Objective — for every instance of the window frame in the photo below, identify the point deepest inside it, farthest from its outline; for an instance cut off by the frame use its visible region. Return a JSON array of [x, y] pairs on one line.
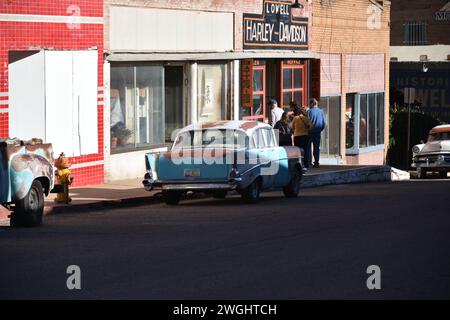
[[133, 66], [293, 89], [415, 33], [261, 117], [357, 105]]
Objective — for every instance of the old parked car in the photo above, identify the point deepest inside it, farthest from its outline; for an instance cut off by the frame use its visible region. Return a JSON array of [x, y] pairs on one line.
[[26, 176], [434, 155], [218, 157]]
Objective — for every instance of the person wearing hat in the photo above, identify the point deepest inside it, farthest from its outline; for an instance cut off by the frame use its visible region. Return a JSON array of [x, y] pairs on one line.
[[301, 126]]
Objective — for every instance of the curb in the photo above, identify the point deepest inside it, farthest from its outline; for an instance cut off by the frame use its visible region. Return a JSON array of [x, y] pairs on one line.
[[101, 205], [357, 175]]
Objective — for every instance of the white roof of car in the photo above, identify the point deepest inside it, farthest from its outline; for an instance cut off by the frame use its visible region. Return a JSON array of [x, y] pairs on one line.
[[246, 126], [441, 128]]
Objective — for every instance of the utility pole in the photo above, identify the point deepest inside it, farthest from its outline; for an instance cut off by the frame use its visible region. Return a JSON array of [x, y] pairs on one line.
[[409, 96], [408, 138]]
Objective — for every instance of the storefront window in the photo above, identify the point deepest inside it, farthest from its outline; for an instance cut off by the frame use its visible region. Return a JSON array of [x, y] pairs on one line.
[[211, 92], [372, 120], [137, 114], [292, 83], [330, 139], [380, 118], [363, 121], [350, 121], [370, 117], [149, 106]]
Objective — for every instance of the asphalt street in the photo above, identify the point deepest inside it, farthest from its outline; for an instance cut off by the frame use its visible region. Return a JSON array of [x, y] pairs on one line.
[[315, 247]]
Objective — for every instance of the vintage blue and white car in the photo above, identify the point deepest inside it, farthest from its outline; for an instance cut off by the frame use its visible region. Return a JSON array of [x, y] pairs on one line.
[[217, 157]]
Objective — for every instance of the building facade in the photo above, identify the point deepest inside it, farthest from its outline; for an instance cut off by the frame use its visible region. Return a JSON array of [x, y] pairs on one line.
[[352, 38], [51, 78], [189, 61], [158, 66], [420, 54]]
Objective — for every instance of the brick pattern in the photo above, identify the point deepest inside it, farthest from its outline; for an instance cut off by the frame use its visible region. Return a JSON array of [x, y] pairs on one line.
[[330, 74], [54, 36], [341, 27], [368, 158], [4, 126], [88, 8], [365, 73], [87, 175], [419, 11]]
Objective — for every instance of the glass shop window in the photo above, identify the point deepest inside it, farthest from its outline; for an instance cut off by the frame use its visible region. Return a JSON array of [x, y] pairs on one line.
[[136, 102], [212, 92], [292, 84], [365, 121]]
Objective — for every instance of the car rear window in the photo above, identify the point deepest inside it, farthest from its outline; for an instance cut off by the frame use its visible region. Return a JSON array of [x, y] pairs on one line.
[[211, 138]]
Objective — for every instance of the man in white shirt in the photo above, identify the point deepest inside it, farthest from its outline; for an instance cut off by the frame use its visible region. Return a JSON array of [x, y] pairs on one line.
[[276, 111]]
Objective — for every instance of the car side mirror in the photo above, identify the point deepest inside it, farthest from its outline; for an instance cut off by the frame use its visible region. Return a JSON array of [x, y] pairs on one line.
[[421, 141]]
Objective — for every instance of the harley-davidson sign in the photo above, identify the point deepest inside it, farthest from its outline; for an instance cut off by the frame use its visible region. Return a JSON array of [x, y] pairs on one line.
[[276, 28]]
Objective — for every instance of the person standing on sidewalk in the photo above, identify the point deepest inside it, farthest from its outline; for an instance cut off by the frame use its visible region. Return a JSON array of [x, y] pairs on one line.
[[301, 126], [284, 131], [276, 112], [315, 114]]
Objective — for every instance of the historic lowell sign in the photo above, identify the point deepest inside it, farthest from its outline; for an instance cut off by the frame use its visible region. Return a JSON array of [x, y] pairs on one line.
[[276, 28]]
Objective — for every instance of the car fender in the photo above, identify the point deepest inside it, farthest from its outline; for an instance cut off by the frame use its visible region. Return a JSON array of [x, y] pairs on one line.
[[24, 169]]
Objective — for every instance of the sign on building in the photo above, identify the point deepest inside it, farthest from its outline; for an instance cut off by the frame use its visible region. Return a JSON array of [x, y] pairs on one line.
[[443, 14], [247, 83], [276, 28]]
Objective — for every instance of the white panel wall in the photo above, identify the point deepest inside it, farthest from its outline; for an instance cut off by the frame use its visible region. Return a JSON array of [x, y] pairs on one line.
[[85, 101], [59, 102], [150, 29], [53, 96], [26, 97]]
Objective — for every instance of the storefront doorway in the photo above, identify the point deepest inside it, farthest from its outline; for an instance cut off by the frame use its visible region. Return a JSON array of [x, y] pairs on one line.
[[284, 80], [173, 100]]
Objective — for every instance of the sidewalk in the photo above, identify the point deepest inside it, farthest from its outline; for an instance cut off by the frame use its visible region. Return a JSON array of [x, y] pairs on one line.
[[131, 192]]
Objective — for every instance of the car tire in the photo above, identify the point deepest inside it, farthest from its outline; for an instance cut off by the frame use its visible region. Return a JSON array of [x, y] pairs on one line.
[[251, 193], [172, 197], [443, 174], [421, 173], [292, 189], [28, 212], [221, 194]]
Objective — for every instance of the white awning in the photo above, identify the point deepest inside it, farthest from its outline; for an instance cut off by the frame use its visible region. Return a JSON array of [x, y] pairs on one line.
[[189, 56]]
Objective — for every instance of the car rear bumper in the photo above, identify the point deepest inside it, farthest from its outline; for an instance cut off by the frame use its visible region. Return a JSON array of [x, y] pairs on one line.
[[231, 184]]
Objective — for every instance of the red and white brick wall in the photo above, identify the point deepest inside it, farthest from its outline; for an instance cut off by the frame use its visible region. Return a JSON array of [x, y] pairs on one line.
[[43, 24], [330, 74]]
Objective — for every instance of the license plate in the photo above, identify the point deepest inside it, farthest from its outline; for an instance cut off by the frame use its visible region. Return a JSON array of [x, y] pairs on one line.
[[192, 172]]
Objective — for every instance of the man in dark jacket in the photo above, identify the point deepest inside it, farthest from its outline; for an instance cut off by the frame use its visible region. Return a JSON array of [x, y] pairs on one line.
[[315, 114]]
